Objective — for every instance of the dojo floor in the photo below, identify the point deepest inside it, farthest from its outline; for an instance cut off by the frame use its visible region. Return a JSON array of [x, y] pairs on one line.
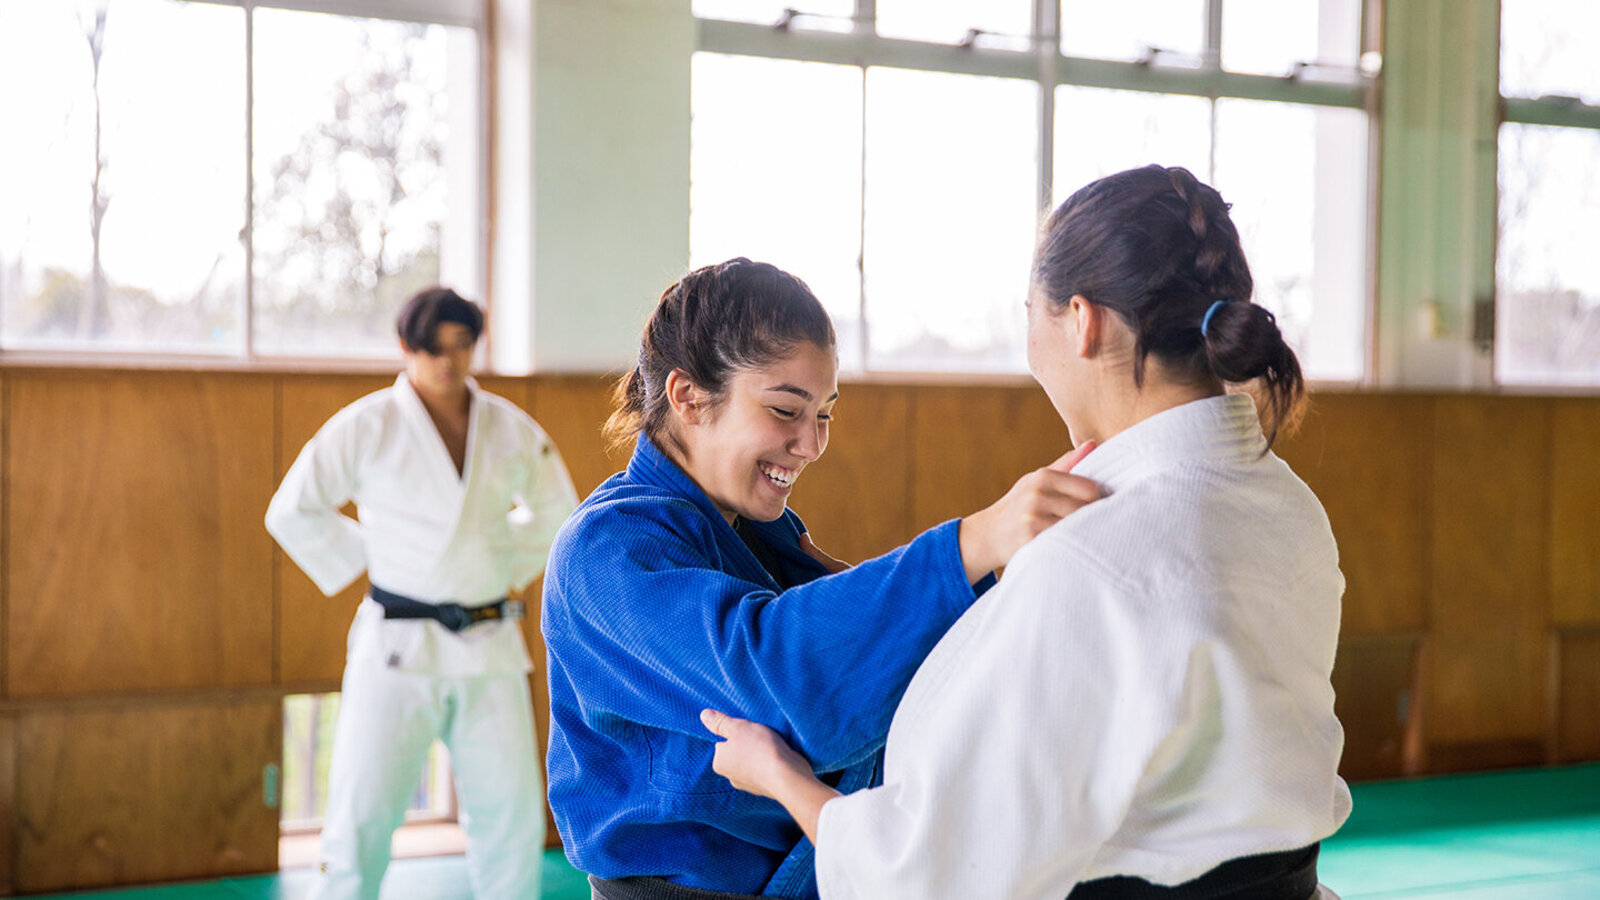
[[1497, 836]]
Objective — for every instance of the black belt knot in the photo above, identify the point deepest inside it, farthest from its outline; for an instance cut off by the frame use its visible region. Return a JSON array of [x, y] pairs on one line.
[[453, 616]]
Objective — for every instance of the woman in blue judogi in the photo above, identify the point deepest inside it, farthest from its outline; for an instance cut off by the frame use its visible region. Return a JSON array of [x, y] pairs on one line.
[[685, 582]]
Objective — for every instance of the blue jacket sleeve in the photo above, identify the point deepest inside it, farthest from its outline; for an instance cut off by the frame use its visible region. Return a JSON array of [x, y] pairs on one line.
[[651, 629]]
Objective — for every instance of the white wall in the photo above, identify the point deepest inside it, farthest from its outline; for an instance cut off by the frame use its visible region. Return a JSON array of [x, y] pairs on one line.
[[592, 186]]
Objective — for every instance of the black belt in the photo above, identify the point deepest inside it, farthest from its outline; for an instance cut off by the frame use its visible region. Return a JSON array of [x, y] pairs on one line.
[[1290, 875], [453, 616], [647, 888]]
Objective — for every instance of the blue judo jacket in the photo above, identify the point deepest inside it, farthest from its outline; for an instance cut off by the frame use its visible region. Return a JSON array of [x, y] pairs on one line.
[[654, 609]]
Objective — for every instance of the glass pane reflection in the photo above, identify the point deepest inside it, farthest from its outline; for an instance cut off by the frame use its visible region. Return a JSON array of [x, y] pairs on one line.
[[1296, 176], [950, 219], [120, 227], [775, 175], [1547, 306]]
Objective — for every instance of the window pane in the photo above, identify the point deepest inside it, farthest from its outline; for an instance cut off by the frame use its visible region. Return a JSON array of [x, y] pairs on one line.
[[1099, 132], [1270, 36], [775, 175], [1548, 273], [769, 11], [1296, 176], [951, 216], [1549, 47], [308, 726], [1100, 30], [150, 259], [363, 129], [948, 21]]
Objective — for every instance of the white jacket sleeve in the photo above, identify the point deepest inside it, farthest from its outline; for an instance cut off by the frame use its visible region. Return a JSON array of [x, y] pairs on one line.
[[1015, 753], [543, 501], [304, 514]]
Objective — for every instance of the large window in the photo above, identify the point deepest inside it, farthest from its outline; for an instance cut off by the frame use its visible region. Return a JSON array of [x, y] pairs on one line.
[[898, 154], [209, 178], [1548, 271], [308, 725]]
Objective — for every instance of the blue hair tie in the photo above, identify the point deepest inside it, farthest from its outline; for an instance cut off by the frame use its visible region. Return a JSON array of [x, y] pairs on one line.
[[1205, 321]]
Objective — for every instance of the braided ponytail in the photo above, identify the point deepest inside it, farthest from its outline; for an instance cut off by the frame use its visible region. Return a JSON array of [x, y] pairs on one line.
[[1156, 246], [1244, 346]]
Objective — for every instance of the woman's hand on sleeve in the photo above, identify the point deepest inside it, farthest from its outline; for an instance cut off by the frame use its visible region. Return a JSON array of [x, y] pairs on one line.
[[1038, 500], [753, 758]]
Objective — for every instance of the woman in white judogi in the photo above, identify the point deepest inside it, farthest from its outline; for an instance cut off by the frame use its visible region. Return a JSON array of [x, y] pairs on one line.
[[459, 494], [1142, 707]]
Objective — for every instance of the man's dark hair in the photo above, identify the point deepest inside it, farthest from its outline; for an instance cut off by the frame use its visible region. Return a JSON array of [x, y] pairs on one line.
[[418, 323]]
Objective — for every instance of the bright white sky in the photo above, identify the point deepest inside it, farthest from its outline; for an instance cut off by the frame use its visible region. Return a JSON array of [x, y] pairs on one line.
[[153, 235], [950, 171], [171, 119]]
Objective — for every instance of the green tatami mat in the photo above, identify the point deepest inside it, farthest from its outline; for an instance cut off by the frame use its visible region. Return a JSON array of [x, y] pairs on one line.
[[1493, 836]]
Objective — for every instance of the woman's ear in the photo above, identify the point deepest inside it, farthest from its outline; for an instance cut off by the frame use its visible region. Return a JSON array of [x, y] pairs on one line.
[[1086, 327], [686, 399]]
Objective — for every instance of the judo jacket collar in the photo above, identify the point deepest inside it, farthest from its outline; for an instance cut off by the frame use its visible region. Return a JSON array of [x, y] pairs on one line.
[[651, 465], [1221, 429]]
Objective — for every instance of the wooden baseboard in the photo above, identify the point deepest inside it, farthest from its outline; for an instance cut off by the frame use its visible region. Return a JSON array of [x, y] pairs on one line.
[[1479, 756]]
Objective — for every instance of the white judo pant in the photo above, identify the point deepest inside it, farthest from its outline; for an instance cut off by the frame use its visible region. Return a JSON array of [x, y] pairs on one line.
[[387, 721]]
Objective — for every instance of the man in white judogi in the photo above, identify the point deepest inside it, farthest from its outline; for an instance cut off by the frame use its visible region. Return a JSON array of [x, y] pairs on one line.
[[459, 494]]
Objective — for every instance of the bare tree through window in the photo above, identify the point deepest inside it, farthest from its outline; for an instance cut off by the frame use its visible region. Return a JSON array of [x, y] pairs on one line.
[[348, 222]]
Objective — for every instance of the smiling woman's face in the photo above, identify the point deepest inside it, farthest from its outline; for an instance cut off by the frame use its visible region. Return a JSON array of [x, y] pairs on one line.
[[747, 453]]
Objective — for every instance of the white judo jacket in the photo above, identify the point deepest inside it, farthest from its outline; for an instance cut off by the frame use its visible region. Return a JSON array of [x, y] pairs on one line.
[[1145, 693], [425, 531]]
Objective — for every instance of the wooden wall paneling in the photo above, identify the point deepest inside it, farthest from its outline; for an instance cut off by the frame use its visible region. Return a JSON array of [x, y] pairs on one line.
[[539, 687], [517, 389], [8, 805], [571, 409], [1576, 719], [1376, 680], [5, 568], [146, 793], [1368, 458], [141, 554], [1575, 512], [311, 628], [971, 444], [856, 499], [1486, 683]]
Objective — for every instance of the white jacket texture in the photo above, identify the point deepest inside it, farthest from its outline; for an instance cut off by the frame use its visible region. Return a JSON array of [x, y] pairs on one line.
[[423, 530]]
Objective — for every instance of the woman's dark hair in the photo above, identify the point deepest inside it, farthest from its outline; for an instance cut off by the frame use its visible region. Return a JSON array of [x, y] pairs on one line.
[[712, 323], [1157, 247], [418, 323]]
